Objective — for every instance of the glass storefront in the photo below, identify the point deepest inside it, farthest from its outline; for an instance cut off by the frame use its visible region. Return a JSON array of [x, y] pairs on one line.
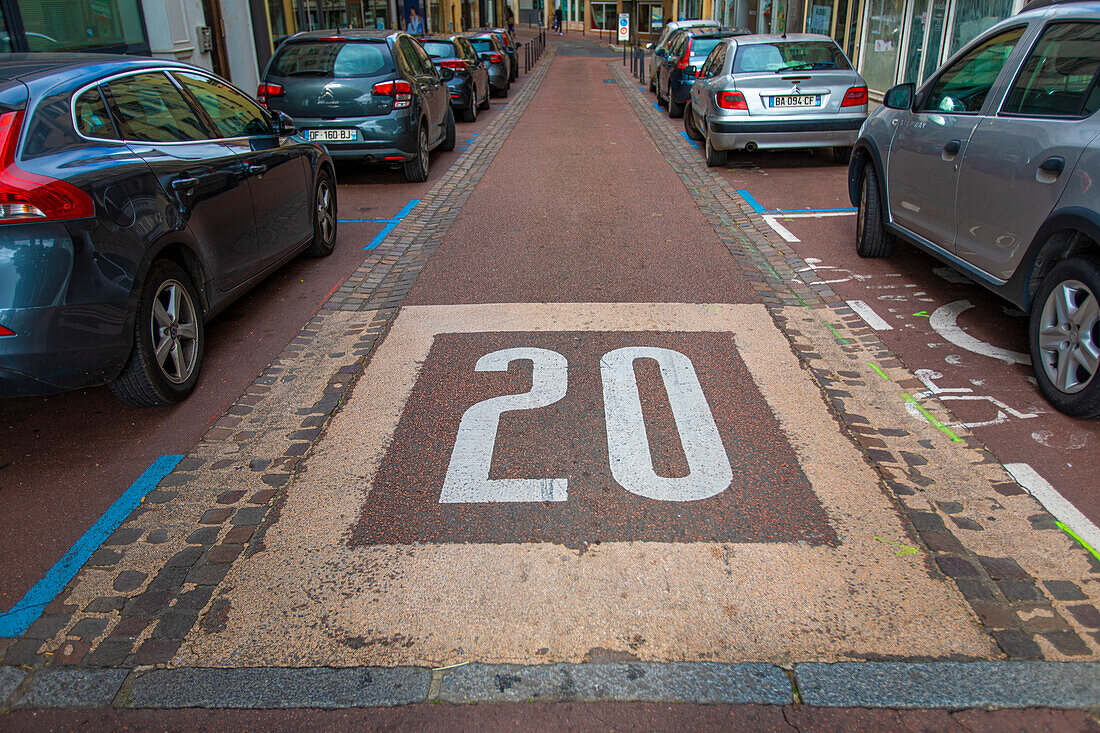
[[604, 16], [882, 42], [78, 25], [974, 16]]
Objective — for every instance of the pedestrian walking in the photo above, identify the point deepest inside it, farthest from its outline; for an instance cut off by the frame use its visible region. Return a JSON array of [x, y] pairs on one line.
[[510, 20], [557, 21]]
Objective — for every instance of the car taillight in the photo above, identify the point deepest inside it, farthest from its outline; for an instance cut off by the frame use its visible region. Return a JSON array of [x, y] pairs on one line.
[[686, 57], [496, 58], [267, 91], [456, 65], [731, 100], [400, 90], [6, 332], [332, 39], [855, 97], [28, 196]]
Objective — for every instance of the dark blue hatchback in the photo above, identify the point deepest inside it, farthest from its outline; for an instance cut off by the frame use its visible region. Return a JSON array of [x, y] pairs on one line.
[[138, 198]]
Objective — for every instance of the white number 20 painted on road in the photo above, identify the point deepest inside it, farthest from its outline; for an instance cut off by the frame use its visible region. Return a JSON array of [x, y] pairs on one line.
[[709, 471]]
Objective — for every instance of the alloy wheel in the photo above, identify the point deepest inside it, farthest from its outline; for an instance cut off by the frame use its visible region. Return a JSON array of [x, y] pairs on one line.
[[326, 215], [173, 324], [1069, 336]]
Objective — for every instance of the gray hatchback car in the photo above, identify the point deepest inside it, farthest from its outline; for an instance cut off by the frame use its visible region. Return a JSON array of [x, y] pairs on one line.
[[992, 167]]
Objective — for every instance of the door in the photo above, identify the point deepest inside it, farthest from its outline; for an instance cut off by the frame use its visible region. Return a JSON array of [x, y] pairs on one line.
[[923, 163], [202, 176], [427, 85], [1017, 163], [277, 174], [441, 95]]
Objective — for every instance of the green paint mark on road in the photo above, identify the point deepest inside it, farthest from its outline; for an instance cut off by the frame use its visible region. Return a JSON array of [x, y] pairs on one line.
[[928, 416], [922, 314], [1092, 550], [836, 333], [877, 369], [905, 549]]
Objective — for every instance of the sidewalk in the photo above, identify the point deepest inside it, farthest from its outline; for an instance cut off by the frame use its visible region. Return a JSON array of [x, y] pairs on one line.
[[571, 433]]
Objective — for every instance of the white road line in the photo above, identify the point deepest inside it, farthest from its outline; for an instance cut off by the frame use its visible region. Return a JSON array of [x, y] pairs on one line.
[[943, 321], [780, 229], [1055, 503], [868, 314]]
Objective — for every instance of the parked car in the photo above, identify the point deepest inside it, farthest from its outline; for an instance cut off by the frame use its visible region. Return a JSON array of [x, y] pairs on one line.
[[469, 84], [510, 47], [490, 50], [660, 48], [678, 68], [139, 198], [765, 91], [991, 167], [372, 96]]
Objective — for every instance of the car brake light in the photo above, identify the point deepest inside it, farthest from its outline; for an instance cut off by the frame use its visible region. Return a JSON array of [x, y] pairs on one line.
[[28, 196], [496, 58], [400, 90], [456, 65], [267, 91], [6, 332], [686, 57], [855, 97], [731, 100], [333, 39]]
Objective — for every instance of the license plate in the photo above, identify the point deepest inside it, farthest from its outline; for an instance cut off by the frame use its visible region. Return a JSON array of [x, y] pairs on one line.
[[333, 136], [801, 100]]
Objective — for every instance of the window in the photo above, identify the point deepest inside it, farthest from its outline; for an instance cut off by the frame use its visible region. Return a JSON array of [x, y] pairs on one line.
[[426, 66], [974, 17], [1059, 77], [439, 49], [409, 56], [882, 26], [92, 118], [332, 60], [715, 62], [789, 56], [233, 114], [963, 86], [150, 108], [703, 46], [81, 25]]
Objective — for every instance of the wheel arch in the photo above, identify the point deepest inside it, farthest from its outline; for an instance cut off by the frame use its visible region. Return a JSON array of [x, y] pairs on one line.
[[1067, 232], [864, 154]]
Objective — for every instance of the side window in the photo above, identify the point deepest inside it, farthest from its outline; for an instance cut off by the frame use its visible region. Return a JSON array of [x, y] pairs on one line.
[[717, 60], [409, 55], [468, 52], [1059, 77], [233, 114], [149, 107], [425, 63], [92, 118], [963, 86]]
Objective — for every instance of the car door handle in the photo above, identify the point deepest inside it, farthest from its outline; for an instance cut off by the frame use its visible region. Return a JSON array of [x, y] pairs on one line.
[[184, 183], [1053, 165], [952, 148], [255, 169]]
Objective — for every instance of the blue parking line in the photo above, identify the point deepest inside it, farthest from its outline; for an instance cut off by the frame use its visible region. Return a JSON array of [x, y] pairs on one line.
[[27, 610], [391, 224], [691, 142], [655, 105], [761, 210]]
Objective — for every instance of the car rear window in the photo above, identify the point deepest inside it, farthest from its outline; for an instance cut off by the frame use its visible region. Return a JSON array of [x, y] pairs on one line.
[[481, 45], [439, 49], [789, 56], [703, 46], [332, 59]]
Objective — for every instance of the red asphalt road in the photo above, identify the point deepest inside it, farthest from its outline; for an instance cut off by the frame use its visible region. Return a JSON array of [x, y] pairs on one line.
[[65, 458], [1061, 449], [609, 717]]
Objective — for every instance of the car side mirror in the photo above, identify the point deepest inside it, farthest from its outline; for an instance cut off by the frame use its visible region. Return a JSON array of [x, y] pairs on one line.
[[284, 125], [445, 73], [661, 52], [649, 47], [900, 96]]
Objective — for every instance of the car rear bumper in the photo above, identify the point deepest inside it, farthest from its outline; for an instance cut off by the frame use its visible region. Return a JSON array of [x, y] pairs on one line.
[[390, 136], [737, 134], [459, 90], [498, 77]]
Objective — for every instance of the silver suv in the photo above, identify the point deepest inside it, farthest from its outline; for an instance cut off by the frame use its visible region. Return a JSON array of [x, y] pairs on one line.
[[993, 166]]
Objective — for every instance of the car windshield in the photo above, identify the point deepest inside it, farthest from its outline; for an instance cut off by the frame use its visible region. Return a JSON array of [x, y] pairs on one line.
[[789, 56], [481, 45], [332, 59], [438, 49]]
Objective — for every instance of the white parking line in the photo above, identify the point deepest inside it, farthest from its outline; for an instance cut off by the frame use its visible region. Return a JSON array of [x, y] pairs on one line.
[[780, 229], [1055, 503], [865, 312]]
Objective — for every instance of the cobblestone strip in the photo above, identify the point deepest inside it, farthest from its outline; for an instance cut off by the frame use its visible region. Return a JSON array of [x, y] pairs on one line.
[[143, 591], [958, 499]]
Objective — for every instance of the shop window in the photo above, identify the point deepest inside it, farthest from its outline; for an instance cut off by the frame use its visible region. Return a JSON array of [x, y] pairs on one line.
[[1059, 77], [882, 33], [81, 25], [819, 19], [973, 17]]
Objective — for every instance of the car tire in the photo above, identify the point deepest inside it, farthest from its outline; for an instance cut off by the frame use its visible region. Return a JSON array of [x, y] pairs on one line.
[[872, 239], [715, 157], [470, 113], [652, 86], [689, 123], [842, 154], [661, 102], [485, 103], [449, 135], [504, 91], [416, 170], [675, 109], [1059, 337], [149, 380], [324, 216]]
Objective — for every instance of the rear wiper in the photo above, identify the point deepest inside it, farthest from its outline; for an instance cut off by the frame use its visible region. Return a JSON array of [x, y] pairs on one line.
[[807, 66]]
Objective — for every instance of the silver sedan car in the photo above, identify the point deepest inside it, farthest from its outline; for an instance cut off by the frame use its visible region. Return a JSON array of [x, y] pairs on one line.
[[764, 91]]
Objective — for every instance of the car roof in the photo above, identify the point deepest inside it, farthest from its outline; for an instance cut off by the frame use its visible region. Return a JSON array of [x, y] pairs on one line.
[[784, 38], [352, 34], [716, 33], [1033, 5]]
